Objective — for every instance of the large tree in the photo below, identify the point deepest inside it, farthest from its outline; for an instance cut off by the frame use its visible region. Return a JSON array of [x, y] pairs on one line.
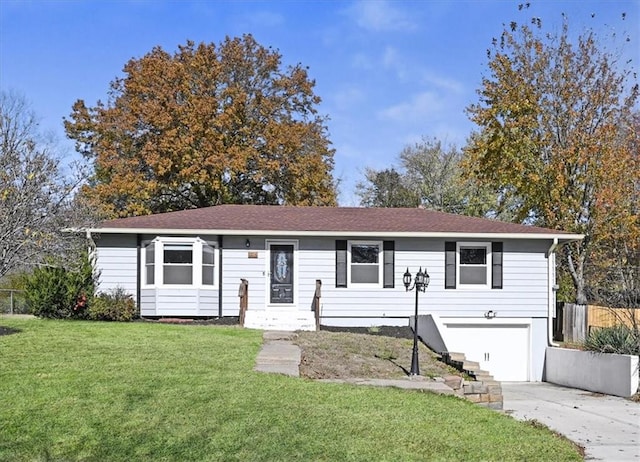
[[36, 200], [386, 188], [206, 125], [428, 175], [554, 116]]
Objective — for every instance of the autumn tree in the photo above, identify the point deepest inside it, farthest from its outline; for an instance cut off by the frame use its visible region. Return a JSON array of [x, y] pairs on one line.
[[206, 125], [613, 272], [428, 175], [554, 116], [36, 200]]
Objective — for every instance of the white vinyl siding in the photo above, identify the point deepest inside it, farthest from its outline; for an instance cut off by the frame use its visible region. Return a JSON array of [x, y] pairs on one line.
[[524, 295], [179, 302], [117, 262], [239, 263], [525, 292]]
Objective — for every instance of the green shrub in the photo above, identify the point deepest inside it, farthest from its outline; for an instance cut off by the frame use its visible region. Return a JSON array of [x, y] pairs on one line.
[[116, 305], [58, 292], [620, 339]]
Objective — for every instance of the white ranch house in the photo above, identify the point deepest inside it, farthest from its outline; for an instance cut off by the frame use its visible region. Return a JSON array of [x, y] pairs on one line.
[[491, 293]]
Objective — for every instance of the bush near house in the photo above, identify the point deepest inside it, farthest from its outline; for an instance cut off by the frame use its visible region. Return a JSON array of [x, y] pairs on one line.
[[115, 305], [57, 292]]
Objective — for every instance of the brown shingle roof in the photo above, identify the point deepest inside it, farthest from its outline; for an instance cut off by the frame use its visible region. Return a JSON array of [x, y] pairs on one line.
[[254, 218]]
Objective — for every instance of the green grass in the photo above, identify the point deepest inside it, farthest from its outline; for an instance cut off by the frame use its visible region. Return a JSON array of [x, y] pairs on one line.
[[72, 390]]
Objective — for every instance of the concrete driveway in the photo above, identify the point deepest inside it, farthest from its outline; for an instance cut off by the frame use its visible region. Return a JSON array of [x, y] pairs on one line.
[[606, 426]]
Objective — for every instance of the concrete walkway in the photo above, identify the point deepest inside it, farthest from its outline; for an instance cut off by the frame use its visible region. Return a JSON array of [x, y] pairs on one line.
[[607, 427], [278, 354]]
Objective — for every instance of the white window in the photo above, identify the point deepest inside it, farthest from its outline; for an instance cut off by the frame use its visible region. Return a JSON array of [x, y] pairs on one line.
[[178, 261], [208, 264], [149, 263], [474, 263], [177, 264], [365, 263]]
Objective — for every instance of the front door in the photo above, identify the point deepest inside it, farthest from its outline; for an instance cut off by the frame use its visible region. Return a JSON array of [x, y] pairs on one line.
[[281, 280]]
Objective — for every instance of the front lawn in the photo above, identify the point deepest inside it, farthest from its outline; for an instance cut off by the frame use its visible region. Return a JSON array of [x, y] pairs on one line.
[[72, 390]]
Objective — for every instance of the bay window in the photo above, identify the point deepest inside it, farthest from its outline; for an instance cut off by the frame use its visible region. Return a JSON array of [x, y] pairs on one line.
[[178, 261]]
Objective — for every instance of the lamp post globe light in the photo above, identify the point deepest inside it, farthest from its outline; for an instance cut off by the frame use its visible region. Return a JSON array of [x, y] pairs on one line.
[[420, 284]]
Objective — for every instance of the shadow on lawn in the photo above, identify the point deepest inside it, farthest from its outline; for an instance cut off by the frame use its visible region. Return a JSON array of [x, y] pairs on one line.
[[8, 330]]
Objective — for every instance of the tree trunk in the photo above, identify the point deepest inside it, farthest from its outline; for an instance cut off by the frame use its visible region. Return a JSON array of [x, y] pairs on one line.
[[576, 269]]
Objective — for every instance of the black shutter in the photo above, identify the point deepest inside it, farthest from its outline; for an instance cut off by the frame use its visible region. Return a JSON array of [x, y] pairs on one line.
[[496, 265], [449, 265], [388, 248], [341, 263]]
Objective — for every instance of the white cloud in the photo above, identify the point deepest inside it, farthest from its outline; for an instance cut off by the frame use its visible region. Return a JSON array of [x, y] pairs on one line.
[[380, 16], [266, 18], [361, 61], [393, 60], [390, 57], [425, 105], [346, 98], [444, 83]]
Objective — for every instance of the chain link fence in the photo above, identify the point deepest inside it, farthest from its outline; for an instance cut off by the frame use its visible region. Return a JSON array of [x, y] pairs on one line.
[[13, 301]]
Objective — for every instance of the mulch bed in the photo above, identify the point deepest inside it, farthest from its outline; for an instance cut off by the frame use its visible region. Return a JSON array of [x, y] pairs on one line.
[[387, 331], [226, 321]]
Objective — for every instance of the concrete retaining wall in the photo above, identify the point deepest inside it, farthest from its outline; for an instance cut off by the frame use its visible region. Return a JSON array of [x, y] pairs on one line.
[[611, 374]]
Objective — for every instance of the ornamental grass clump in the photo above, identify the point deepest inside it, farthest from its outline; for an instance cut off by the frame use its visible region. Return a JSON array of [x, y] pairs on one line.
[[620, 339]]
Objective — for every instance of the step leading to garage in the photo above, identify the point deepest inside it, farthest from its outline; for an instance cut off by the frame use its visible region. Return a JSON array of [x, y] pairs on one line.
[[483, 390]]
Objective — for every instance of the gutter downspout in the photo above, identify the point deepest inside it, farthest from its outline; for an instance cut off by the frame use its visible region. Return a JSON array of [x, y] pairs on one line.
[[220, 275], [551, 288], [138, 272]]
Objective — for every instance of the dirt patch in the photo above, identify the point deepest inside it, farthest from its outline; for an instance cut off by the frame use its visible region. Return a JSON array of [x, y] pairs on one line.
[[379, 352], [385, 331], [8, 330]]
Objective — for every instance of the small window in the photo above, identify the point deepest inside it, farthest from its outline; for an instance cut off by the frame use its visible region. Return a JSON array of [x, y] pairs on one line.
[[178, 264], [149, 263], [365, 264], [207, 265], [473, 264]]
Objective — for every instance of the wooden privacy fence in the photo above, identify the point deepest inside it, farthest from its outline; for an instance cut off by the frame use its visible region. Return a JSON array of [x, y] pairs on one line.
[[576, 321], [601, 316]]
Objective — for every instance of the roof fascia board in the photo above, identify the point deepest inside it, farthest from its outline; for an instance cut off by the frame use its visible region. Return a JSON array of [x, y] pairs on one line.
[[235, 232]]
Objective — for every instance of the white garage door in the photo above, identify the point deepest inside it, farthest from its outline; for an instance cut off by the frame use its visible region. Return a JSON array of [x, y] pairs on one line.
[[501, 349]]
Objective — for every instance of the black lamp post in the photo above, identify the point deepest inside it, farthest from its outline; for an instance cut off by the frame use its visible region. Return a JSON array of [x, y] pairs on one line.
[[420, 284]]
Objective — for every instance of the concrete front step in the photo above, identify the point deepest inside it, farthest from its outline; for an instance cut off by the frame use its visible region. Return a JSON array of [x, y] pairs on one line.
[[280, 320]]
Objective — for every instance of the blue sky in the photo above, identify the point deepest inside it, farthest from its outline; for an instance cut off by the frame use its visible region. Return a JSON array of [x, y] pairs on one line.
[[388, 72]]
